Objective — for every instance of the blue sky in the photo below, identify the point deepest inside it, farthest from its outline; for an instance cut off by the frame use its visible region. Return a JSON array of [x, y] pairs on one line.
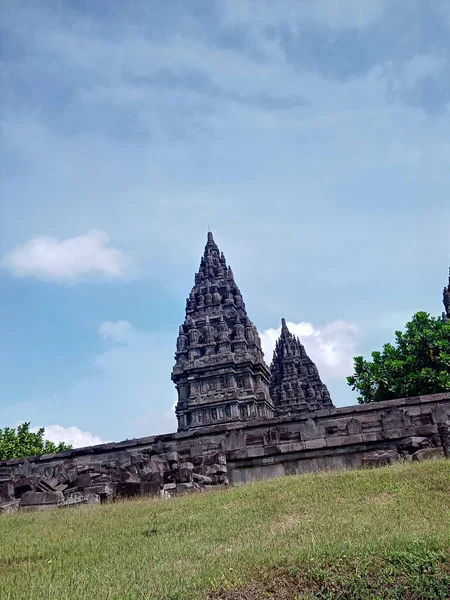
[[312, 137]]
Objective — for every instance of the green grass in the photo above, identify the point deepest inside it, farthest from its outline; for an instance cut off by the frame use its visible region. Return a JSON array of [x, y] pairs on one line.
[[368, 534]]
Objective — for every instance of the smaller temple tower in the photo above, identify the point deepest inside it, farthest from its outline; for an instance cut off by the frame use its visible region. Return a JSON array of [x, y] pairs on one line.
[[295, 384], [446, 300]]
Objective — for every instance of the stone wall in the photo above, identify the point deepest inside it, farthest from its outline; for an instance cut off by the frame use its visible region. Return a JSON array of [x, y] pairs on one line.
[[182, 462]]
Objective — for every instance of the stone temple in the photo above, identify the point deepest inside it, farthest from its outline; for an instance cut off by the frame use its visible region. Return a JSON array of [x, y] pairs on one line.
[[446, 300], [220, 373]]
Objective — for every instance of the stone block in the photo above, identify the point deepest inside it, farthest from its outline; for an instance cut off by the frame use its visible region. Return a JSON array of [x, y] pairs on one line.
[[66, 473], [169, 487], [414, 443], [219, 469], [10, 507], [129, 476], [427, 454], [150, 488], [173, 457], [187, 488], [380, 458], [153, 478], [41, 499], [183, 476], [186, 465], [84, 480], [201, 478], [77, 497], [7, 490], [314, 444], [50, 484], [102, 489], [128, 489], [392, 434], [372, 436], [217, 458]]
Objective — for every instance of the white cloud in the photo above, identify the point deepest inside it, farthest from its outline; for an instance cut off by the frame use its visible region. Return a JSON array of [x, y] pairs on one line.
[[67, 260], [117, 331], [332, 347], [420, 67], [69, 435]]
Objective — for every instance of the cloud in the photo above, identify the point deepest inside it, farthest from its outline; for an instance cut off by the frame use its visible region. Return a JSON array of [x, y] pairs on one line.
[[422, 66], [67, 260], [336, 14], [69, 435], [332, 347], [118, 331]]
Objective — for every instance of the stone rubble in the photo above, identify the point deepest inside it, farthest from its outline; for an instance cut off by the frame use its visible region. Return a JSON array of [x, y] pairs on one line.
[[128, 474]]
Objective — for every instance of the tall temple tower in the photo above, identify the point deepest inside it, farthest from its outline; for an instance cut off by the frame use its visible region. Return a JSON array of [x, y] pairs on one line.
[[220, 373], [446, 300], [295, 384]]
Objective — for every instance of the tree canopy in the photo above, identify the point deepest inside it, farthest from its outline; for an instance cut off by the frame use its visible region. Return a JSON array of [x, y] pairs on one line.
[[16, 443], [418, 363]]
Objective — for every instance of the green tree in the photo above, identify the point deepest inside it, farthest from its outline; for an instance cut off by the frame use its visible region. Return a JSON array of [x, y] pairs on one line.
[[418, 363], [16, 443]]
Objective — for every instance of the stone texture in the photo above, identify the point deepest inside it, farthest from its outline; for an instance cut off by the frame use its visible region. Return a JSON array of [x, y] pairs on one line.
[[427, 454], [92, 479], [412, 444], [344, 437], [295, 384], [41, 499], [444, 434], [380, 458], [219, 373], [9, 507]]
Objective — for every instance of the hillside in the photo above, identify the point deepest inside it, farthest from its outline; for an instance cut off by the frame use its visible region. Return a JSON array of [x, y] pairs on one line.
[[357, 534]]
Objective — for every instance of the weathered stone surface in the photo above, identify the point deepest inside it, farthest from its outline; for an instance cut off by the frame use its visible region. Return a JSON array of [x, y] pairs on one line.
[[380, 458], [412, 444], [295, 384], [187, 465], [220, 373], [150, 488], [201, 478], [41, 499], [427, 454], [128, 489], [50, 484], [173, 457], [183, 476], [9, 507], [78, 497], [242, 451], [444, 434]]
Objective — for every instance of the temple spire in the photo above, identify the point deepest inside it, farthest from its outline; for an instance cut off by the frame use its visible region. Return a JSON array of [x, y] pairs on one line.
[[446, 300], [295, 384], [220, 373]]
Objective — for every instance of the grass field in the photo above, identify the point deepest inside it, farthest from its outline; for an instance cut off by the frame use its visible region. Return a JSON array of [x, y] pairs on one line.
[[369, 534]]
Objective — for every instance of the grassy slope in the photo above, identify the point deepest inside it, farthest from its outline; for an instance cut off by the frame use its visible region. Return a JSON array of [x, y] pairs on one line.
[[358, 534]]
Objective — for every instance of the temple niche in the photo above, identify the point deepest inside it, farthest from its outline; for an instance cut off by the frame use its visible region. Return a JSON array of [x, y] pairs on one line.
[[219, 373]]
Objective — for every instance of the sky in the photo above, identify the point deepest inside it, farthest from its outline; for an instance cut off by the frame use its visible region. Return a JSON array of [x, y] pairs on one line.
[[312, 138]]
